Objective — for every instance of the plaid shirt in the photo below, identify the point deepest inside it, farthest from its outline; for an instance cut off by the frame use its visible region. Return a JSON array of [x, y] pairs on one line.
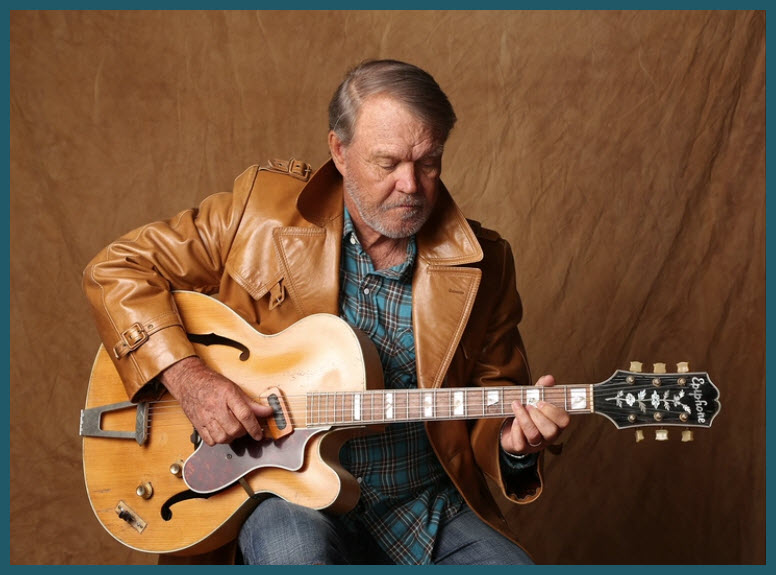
[[405, 492]]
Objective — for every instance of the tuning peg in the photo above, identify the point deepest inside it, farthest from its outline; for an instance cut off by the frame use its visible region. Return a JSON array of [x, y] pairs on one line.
[[636, 366], [658, 368], [639, 435], [687, 435], [682, 367], [661, 435]]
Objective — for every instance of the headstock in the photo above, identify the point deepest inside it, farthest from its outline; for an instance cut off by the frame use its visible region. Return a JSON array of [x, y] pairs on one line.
[[659, 399]]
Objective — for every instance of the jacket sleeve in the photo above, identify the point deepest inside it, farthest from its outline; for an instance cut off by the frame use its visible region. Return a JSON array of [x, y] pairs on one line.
[[129, 284], [502, 361]]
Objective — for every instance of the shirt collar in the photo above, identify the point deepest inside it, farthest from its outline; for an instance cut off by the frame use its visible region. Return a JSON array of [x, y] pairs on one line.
[[402, 271]]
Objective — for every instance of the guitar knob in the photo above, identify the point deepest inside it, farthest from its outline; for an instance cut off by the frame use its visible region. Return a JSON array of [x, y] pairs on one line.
[[177, 468], [683, 367], [658, 368], [661, 435], [687, 435], [636, 366], [639, 435], [145, 490]]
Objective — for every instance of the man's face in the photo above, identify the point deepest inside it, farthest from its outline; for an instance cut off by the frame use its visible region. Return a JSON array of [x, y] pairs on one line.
[[390, 169]]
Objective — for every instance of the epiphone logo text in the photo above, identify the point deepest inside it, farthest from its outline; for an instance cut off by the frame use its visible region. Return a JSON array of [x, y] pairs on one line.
[[700, 404]]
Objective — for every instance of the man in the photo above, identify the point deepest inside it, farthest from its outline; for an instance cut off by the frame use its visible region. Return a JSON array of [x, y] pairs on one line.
[[374, 237]]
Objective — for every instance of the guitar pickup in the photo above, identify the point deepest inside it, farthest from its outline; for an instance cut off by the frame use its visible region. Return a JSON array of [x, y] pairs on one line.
[[127, 514], [280, 424]]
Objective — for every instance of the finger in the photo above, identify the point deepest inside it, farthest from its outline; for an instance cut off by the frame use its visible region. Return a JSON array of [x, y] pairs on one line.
[[217, 432], [559, 416], [246, 418], [519, 442], [524, 428], [205, 435], [547, 428], [260, 410], [546, 381]]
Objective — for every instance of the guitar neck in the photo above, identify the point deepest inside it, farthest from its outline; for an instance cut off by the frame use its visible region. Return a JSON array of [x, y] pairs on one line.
[[405, 405]]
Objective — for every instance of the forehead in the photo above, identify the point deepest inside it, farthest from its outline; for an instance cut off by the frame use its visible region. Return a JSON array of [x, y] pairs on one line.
[[384, 122]]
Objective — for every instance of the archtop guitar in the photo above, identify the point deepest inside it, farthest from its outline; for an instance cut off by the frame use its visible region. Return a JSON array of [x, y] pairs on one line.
[[155, 487]]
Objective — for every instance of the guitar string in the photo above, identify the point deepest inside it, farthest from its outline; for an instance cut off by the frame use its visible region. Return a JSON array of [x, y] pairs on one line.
[[326, 413], [370, 413], [554, 390]]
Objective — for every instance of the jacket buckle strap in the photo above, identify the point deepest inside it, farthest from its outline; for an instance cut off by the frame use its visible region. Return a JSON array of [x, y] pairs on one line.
[[295, 168], [277, 294], [299, 170], [137, 334], [131, 339]]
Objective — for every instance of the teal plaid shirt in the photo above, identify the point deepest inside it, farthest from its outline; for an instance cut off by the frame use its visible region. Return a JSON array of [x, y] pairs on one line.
[[405, 492]]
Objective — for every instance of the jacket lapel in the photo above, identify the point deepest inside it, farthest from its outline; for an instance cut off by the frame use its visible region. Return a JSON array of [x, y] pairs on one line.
[[443, 292]]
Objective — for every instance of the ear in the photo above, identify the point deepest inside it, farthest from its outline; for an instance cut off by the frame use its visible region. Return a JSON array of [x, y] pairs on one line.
[[337, 149]]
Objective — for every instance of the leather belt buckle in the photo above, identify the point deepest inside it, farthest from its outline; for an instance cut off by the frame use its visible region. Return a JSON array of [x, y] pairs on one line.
[[300, 170], [131, 339], [294, 168]]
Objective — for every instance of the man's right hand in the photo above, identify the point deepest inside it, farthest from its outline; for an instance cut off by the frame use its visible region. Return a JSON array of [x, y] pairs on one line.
[[219, 410]]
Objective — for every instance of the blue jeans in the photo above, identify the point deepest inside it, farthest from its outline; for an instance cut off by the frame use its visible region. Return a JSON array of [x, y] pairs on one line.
[[282, 533]]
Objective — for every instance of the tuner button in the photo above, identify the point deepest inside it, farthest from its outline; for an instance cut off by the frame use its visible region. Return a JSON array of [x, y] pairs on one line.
[[658, 368], [636, 366], [639, 435], [683, 367], [687, 435], [661, 435]]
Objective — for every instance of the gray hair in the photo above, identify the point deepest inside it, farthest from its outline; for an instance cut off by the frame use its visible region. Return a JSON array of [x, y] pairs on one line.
[[408, 84]]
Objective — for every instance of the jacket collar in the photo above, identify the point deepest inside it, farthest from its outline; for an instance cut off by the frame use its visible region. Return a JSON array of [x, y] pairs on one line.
[[445, 239]]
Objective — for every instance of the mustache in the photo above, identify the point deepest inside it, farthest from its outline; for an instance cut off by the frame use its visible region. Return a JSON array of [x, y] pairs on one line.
[[406, 203]]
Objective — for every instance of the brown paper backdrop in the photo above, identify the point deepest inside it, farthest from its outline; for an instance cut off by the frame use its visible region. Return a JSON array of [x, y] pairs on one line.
[[621, 153]]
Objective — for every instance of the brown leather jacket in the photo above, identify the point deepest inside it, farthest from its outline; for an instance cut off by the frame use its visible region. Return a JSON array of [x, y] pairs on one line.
[[271, 250]]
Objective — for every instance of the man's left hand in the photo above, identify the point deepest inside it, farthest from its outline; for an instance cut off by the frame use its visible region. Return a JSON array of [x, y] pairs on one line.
[[534, 427]]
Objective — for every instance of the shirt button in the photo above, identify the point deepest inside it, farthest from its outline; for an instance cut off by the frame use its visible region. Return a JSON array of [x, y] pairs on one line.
[[359, 479], [366, 291], [353, 239]]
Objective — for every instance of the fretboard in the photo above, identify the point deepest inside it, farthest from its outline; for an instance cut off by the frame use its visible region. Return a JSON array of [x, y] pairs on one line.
[[403, 405]]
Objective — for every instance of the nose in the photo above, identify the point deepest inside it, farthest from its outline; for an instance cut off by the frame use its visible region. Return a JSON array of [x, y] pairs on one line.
[[407, 178]]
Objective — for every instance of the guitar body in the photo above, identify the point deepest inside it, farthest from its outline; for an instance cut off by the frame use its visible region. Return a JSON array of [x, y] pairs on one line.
[[136, 484]]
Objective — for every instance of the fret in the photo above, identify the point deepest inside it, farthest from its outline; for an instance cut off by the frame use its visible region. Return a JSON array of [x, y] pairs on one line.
[[474, 405], [357, 407]]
